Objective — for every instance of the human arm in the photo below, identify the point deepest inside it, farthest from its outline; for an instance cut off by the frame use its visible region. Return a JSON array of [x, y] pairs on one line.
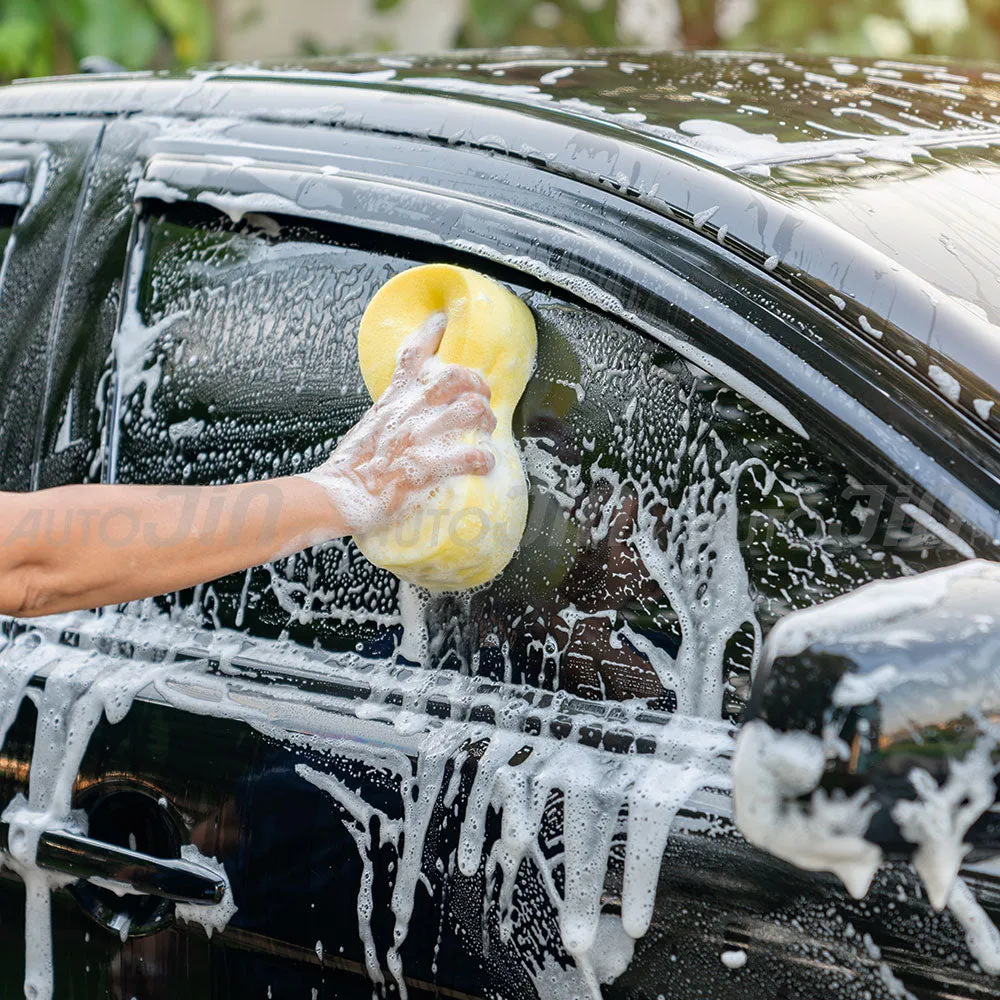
[[90, 545]]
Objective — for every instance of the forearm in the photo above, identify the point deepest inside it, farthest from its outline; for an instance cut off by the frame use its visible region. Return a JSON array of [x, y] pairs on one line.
[[87, 546]]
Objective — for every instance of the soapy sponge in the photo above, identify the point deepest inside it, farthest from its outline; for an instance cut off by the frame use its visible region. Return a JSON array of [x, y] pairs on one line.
[[468, 528]]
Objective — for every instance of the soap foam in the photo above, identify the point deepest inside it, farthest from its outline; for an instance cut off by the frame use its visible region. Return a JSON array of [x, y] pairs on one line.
[[773, 771], [81, 687], [644, 790]]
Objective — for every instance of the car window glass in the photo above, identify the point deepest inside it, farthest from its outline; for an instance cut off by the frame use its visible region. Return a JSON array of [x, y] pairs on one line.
[[671, 521]]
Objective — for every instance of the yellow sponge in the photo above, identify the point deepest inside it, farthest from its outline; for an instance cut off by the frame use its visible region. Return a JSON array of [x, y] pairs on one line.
[[469, 527]]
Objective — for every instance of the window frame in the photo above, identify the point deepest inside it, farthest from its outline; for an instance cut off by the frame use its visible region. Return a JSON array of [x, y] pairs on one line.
[[731, 319]]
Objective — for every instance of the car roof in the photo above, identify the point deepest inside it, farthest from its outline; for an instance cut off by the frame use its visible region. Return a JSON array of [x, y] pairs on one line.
[[869, 186]]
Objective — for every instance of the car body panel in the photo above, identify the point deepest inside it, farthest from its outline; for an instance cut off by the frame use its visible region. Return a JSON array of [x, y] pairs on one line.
[[809, 220], [237, 748], [58, 157], [224, 746]]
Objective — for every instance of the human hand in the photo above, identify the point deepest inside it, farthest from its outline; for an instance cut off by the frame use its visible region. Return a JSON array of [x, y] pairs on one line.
[[411, 438]]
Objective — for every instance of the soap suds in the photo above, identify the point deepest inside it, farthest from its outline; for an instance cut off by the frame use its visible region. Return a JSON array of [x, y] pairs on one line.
[[862, 689], [770, 772], [754, 153], [880, 602], [780, 806], [949, 537], [79, 690], [596, 295], [700, 218], [81, 687], [134, 340], [519, 777], [866, 325], [940, 817], [981, 934], [214, 916], [734, 959], [949, 385]]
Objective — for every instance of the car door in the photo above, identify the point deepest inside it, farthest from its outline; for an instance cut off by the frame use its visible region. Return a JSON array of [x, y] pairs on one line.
[[468, 795]]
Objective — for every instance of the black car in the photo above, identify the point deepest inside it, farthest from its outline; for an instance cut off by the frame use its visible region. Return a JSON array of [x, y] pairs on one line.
[[767, 295]]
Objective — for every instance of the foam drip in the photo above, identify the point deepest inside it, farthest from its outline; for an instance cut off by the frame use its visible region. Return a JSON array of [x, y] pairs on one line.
[[79, 690], [774, 771], [81, 687], [518, 776], [698, 564], [216, 916], [515, 786]]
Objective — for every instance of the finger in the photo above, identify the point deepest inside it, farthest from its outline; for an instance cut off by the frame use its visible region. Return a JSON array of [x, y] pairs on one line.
[[454, 380], [477, 461], [421, 345], [470, 461], [424, 466], [468, 412]]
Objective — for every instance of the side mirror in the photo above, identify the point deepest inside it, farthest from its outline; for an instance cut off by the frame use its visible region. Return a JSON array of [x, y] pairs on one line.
[[873, 728]]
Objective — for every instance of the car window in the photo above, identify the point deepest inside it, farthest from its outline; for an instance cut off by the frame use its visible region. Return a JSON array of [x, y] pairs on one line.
[[671, 520]]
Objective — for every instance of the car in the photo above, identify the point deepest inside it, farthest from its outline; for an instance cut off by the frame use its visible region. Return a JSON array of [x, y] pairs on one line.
[[767, 371]]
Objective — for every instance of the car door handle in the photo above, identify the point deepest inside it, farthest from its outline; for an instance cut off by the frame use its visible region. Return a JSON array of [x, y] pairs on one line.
[[142, 874]]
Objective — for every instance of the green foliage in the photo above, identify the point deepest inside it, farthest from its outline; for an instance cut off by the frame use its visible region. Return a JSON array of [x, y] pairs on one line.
[[964, 28], [888, 28], [530, 22], [50, 36], [39, 37]]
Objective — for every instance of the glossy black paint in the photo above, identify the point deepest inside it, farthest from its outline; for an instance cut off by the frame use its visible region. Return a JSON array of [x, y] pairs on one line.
[[293, 869], [69, 445], [60, 155], [787, 171], [595, 203], [926, 683]]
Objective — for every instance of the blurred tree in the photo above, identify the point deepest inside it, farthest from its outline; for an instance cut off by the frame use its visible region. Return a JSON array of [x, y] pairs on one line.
[[39, 37], [888, 28], [699, 24], [51, 36], [529, 22]]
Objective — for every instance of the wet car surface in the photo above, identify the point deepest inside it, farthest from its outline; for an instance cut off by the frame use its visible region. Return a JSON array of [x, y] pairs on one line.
[[766, 376]]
